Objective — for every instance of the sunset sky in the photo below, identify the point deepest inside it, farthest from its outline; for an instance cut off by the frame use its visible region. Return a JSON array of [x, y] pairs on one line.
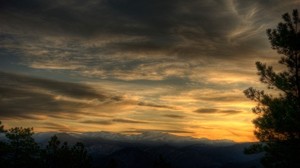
[[129, 66]]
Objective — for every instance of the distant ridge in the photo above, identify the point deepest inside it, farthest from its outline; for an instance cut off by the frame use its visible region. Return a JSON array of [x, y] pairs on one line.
[[143, 137]]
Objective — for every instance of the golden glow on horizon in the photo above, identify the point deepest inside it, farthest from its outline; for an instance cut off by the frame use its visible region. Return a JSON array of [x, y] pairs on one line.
[[236, 127], [198, 112], [238, 132]]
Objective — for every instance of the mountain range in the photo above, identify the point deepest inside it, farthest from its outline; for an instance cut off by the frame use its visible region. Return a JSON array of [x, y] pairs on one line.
[[157, 149]]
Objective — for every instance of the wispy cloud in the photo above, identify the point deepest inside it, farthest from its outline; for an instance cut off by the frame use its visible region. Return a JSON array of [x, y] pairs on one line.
[[155, 105], [114, 121], [214, 110], [58, 127], [24, 96], [64, 35], [207, 110], [98, 122], [174, 116], [129, 121]]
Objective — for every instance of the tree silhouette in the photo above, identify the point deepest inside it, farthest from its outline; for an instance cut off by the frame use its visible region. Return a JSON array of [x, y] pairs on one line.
[[62, 156], [278, 121], [79, 153], [1, 127], [21, 151], [50, 155], [162, 163], [112, 163], [4, 149]]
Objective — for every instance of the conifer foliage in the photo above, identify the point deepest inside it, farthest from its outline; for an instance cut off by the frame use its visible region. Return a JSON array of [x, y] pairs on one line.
[[278, 115], [21, 151]]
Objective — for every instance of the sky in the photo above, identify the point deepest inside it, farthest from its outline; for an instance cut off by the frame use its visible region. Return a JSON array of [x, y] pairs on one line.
[[130, 66]]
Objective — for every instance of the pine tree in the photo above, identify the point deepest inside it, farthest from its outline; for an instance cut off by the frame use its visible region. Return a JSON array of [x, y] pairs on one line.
[[278, 122], [23, 150], [57, 155]]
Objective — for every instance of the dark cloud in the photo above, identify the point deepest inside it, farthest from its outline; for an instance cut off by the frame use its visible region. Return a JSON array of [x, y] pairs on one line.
[[170, 27], [231, 98], [98, 122], [155, 105], [60, 88], [214, 110], [128, 121], [57, 127], [111, 122], [174, 116], [230, 111], [24, 97], [18, 103], [206, 110]]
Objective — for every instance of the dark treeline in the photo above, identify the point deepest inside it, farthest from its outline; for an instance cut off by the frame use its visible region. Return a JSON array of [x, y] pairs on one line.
[[21, 151]]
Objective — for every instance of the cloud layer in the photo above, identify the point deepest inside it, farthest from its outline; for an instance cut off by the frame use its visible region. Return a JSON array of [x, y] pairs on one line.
[[130, 65], [24, 96]]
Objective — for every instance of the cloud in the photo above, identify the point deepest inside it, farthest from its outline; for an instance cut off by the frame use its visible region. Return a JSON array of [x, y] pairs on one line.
[[98, 122], [136, 39], [64, 88], [162, 56], [113, 121], [128, 121], [174, 116], [57, 127], [155, 105], [185, 29], [206, 110], [230, 111], [219, 94], [214, 110], [29, 97], [19, 103]]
